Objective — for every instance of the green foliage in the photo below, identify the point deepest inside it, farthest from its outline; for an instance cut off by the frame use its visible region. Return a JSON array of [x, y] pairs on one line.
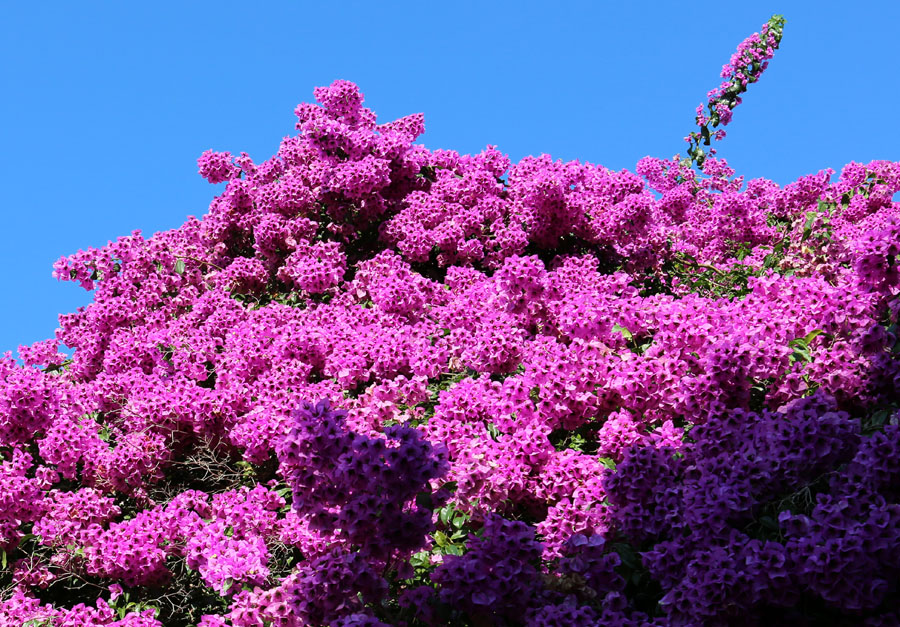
[[443, 382], [451, 537], [638, 345], [640, 586], [801, 346], [709, 281], [123, 605], [583, 439]]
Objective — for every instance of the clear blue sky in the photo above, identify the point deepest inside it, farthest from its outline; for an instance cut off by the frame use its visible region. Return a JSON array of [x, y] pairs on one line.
[[107, 105]]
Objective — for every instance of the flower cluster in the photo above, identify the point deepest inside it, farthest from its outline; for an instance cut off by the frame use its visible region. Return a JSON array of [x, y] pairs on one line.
[[498, 576], [366, 489]]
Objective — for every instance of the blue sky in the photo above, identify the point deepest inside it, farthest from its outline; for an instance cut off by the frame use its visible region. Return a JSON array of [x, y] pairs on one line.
[[107, 105]]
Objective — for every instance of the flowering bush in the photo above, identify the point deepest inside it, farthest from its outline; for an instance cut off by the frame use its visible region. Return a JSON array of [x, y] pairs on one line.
[[381, 385]]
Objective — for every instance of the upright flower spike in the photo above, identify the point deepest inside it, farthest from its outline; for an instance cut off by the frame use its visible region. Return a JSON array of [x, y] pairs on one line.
[[747, 64]]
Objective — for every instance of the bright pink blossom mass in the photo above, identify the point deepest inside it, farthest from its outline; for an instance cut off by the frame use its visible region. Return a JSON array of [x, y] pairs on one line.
[[378, 384]]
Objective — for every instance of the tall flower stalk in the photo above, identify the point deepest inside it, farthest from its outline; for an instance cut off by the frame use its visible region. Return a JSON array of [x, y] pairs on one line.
[[746, 66]]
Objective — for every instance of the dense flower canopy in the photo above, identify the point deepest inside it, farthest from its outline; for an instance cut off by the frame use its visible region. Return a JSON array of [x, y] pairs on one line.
[[378, 384]]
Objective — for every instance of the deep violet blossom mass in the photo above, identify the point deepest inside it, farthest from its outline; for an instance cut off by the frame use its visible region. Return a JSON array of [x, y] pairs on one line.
[[377, 384]]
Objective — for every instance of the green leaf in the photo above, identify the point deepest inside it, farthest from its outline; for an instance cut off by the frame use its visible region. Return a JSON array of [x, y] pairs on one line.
[[625, 332], [809, 337], [422, 559], [807, 228], [628, 555], [876, 420], [450, 486], [424, 500], [801, 346], [440, 538], [800, 353], [769, 523]]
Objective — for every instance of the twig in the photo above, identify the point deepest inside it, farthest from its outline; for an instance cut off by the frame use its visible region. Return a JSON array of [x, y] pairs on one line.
[[201, 261]]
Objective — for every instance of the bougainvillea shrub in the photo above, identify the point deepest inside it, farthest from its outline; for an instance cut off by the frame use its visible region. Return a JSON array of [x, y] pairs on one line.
[[377, 384]]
